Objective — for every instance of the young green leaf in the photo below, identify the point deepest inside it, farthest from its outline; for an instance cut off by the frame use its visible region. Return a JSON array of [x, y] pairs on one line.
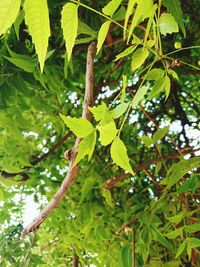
[[9, 10], [160, 133], [150, 21], [18, 21], [126, 256], [139, 96], [160, 238], [173, 74], [124, 85], [107, 133], [108, 198], [87, 187], [119, 110], [167, 87], [174, 234], [126, 52], [189, 185], [139, 57], [167, 24], [194, 242], [99, 111], [177, 218], [178, 170], [192, 228], [147, 140], [37, 20], [79, 126], [129, 12], [111, 7], [155, 74], [119, 155], [157, 88], [174, 8], [181, 249], [102, 35], [86, 147], [69, 23], [85, 29], [142, 11]]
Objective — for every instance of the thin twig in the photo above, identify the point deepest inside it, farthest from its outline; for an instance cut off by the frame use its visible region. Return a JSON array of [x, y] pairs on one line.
[[73, 170]]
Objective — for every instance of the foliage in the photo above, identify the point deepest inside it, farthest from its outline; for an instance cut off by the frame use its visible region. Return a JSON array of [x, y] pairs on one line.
[[136, 196]]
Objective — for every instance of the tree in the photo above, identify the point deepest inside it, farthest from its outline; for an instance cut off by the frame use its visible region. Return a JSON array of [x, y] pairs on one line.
[[99, 124]]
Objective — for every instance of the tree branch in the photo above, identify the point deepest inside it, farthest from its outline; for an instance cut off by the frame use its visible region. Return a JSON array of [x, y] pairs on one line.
[[113, 181], [73, 170]]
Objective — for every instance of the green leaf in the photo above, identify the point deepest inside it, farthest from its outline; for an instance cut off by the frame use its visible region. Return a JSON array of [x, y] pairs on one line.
[[108, 198], [139, 57], [157, 88], [142, 11], [160, 238], [119, 155], [87, 186], [174, 234], [155, 74], [193, 242], [173, 74], [174, 8], [18, 22], [129, 12], [119, 110], [124, 85], [139, 95], [99, 111], [177, 218], [147, 140], [9, 10], [85, 29], [160, 133], [37, 20], [107, 133], [24, 62], [178, 170], [126, 52], [167, 87], [126, 256], [69, 23], [102, 35], [167, 24], [192, 228], [150, 21], [86, 147], [111, 7], [189, 185], [79, 126], [181, 249]]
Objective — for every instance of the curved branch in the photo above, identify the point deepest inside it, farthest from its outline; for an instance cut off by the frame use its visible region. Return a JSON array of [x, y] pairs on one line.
[[73, 170]]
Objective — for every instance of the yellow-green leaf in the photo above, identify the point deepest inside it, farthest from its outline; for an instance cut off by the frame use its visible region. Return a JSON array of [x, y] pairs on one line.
[[86, 147], [107, 133], [111, 7], [99, 111], [69, 23], [102, 35], [79, 126], [167, 24], [37, 20], [119, 155], [119, 110], [139, 57], [139, 95], [129, 12], [9, 10]]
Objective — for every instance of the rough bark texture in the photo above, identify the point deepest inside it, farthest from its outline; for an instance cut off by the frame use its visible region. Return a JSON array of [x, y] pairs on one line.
[[73, 170]]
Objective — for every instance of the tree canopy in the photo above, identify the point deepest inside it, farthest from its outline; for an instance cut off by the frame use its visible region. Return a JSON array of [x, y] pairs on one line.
[[99, 121]]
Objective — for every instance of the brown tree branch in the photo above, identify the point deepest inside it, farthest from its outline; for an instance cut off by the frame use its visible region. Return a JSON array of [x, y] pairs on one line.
[[113, 181], [73, 170]]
